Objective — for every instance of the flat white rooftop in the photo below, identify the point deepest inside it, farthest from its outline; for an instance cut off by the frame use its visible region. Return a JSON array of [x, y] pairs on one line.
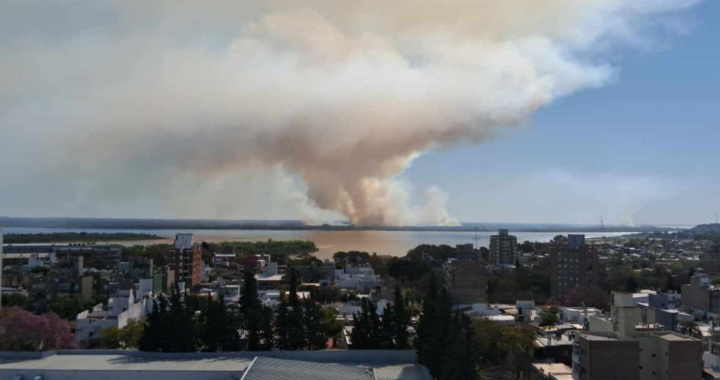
[[274, 365], [126, 363]]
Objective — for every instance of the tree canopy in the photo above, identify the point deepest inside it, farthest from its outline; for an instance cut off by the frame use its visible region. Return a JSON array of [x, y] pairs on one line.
[[21, 330]]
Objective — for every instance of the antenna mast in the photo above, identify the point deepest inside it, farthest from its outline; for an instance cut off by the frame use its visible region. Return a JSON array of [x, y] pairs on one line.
[[476, 239]]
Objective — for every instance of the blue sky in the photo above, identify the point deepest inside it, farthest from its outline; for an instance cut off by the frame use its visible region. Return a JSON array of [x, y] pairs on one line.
[[658, 121]]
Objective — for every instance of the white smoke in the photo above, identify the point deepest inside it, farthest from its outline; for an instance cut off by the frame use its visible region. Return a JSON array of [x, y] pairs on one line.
[[344, 95]]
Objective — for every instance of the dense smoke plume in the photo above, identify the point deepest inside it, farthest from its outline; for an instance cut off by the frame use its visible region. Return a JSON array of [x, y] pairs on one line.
[[343, 94]]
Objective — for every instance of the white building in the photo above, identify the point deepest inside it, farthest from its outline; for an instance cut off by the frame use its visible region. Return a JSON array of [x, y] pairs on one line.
[[356, 278], [482, 310], [578, 314], [120, 309]]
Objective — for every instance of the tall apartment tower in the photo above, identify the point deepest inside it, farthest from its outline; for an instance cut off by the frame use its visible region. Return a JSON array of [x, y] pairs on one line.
[[466, 281], [710, 260], [185, 259], [503, 249], [572, 266]]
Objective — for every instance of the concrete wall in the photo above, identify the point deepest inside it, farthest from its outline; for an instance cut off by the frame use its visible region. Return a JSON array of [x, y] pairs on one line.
[[466, 281], [648, 357], [609, 359], [695, 297], [684, 360], [598, 324], [669, 319]]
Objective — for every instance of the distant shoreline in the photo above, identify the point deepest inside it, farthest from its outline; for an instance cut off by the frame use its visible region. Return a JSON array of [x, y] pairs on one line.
[[100, 224], [75, 237]]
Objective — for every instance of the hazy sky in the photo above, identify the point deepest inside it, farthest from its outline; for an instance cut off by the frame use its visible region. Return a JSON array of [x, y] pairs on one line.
[[267, 110]]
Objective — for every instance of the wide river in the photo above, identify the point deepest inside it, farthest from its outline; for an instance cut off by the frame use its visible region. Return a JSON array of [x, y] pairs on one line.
[[395, 243]]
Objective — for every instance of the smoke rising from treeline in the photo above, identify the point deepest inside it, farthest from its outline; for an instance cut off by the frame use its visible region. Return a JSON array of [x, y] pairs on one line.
[[344, 95]]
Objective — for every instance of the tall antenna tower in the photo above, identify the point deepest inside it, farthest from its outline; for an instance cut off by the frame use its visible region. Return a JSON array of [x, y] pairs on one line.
[[476, 239], [602, 223]]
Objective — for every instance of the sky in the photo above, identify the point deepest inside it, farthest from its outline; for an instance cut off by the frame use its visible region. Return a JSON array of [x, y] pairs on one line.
[[128, 112], [641, 150]]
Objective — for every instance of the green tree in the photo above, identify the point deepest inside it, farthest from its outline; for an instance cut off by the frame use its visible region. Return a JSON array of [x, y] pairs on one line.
[[329, 323], [691, 329], [516, 346], [548, 318], [250, 308], [631, 284], [267, 333], [402, 320], [315, 338], [426, 339], [388, 332], [282, 324], [367, 330], [15, 300], [181, 324], [295, 330], [434, 330], [67, 306], [156, 331], [131, 334], [219, 329], [461, 354], [110, 338]]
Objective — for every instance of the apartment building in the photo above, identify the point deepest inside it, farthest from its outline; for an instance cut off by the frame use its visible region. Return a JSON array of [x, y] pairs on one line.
[[185, 260], [636, 344], [648, 356], [701, 297], [466, 281], [710, 260], [503, 249], [593, 353], [572, 266]]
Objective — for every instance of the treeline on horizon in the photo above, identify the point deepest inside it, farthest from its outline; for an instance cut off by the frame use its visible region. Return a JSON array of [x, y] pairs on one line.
[[85, 237], [296, 225], [277, 249]]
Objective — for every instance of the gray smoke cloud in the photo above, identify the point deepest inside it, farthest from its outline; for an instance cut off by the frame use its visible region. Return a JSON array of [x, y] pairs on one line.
[[341, 95]]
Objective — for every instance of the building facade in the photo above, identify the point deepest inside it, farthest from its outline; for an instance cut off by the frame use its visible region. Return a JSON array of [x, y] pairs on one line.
[[572, 266], [503, 249], [593, 353], [185, 260], [466, 281], [700, 296], [710, 260]]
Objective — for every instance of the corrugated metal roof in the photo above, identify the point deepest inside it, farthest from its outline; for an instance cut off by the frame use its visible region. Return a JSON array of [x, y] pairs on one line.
[[127, 363], [281, 369], [402, 372]]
